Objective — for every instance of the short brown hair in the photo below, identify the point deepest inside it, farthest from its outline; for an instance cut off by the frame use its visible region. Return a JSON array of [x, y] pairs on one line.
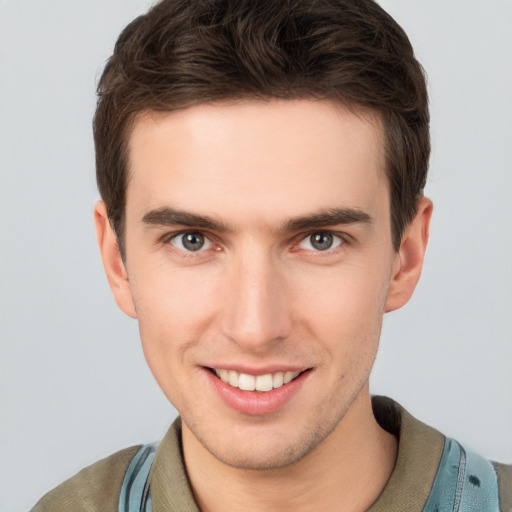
[[185, 52]]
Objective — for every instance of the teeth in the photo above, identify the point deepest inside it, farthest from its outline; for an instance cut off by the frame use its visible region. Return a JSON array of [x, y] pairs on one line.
[[264, 382], [288, 376], [261, 383], [247, 382], [278, 379], [233, 378]]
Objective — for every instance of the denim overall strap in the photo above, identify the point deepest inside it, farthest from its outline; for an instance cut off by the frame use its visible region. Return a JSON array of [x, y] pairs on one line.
[[465, 482], [135, 495]]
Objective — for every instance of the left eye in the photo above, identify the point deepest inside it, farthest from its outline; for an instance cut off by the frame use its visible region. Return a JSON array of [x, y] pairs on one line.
[[321, 241], [191, 242]]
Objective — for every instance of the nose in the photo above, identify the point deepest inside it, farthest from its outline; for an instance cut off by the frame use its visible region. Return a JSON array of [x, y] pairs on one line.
[[256, 311]]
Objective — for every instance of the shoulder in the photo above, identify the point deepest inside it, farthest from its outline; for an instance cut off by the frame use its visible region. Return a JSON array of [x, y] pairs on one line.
[[470, 481], [94, 489], [504, 474], [438, 472]]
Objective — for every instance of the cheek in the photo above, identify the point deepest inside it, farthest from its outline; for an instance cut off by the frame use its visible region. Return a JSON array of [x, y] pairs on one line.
[[173, 308], [345, 304], [170, 299]]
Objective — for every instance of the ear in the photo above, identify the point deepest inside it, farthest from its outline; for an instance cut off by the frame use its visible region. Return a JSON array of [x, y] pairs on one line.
[[409, 259], [112, 261]]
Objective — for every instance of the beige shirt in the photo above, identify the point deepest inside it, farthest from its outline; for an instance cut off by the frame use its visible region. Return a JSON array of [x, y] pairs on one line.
[[97, 487]]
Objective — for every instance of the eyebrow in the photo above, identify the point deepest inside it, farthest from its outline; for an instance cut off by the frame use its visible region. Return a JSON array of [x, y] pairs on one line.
[[332, 217], [172, 217]]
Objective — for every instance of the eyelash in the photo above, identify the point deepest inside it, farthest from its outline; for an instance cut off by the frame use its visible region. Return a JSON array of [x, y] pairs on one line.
[[337, 239], [342, 237], [167, 240]]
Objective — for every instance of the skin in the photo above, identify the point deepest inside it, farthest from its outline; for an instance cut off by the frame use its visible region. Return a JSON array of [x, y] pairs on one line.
[[260, 295]]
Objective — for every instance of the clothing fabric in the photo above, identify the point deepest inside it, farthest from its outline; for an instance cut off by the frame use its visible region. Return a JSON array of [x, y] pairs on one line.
[[97, 488], [464, 482]]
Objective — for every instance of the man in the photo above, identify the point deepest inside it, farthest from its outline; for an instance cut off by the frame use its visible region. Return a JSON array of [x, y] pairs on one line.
[[261, 166]]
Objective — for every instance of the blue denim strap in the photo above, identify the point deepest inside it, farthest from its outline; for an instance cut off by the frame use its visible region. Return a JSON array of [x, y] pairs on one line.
[[465, 482], [135, 495]]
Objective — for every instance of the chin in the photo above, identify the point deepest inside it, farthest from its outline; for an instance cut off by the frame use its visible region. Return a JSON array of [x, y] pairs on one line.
[[263, 450]]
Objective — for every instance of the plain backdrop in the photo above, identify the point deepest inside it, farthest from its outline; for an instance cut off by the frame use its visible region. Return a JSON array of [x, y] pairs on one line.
[[74, 384]]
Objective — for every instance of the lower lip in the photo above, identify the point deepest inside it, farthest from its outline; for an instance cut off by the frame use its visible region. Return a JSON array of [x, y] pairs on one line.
[[257, 403]]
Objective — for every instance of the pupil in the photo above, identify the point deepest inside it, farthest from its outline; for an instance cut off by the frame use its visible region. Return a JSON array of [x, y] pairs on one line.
[[321, 241], [193, 241]]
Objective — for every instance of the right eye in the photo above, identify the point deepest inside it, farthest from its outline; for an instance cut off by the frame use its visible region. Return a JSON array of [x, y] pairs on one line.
[[190, 241], [321, 241]]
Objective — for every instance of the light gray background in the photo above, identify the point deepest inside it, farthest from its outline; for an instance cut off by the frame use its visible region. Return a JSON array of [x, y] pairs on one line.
[[74, 385]]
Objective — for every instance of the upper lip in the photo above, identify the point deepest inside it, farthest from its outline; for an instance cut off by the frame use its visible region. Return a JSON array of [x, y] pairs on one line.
[[261, 370]]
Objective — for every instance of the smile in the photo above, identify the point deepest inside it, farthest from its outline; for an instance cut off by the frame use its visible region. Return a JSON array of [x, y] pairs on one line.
[[257, 395], [262, 383]]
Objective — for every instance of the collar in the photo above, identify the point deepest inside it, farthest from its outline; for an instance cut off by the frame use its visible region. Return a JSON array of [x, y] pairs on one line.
[[419, 452]]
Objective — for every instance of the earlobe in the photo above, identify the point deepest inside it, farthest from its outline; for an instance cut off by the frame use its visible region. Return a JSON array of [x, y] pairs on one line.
[[409, 259], [112, 261]]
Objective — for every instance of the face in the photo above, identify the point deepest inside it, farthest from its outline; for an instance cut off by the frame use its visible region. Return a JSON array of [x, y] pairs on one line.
[[259, 261]]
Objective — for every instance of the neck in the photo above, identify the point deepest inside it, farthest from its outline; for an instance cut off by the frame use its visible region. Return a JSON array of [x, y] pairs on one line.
[[347, 471]]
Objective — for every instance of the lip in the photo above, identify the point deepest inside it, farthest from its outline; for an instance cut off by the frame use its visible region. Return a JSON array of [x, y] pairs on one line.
[[255, 403], [262, 370]]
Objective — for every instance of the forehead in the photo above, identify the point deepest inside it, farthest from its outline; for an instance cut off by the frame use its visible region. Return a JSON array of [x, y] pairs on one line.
[[278, 157]]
